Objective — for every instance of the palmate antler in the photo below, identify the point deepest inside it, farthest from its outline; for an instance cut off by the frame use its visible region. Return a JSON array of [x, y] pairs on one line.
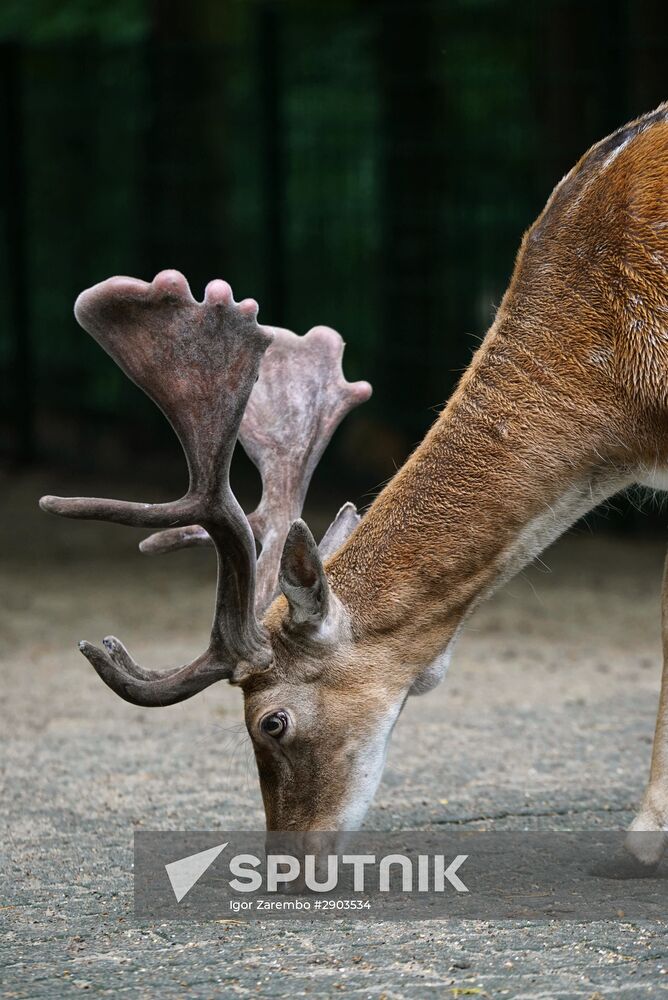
[[299, 400], [199, 362]]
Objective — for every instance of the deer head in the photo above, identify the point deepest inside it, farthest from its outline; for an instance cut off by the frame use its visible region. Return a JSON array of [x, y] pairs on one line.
[[279, 629]]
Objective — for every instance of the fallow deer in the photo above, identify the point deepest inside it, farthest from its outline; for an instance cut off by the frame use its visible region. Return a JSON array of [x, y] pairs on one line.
[[564, 404]]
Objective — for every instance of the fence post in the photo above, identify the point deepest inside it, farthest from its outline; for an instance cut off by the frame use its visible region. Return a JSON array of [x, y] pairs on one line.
[[17, 263], [412, 185], [272, 165]]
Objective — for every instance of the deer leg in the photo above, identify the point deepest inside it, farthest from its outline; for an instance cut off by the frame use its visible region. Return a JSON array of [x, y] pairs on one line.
[[649, 831]]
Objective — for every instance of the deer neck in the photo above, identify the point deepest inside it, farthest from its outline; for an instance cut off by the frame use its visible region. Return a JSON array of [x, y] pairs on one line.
[[520, 453]]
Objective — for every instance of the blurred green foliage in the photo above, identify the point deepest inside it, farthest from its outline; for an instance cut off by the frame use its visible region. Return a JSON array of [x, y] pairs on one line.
[[369, 165], [40, 21]]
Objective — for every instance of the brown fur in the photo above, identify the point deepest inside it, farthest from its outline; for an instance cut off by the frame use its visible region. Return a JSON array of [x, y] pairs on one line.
[[568, 391]]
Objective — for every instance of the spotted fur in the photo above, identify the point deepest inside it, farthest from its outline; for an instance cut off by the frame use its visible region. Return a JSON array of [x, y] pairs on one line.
[[564, 403]]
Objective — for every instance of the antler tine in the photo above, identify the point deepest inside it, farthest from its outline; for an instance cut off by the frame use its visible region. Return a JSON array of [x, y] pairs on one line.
[[194, 536], [198, 362], [299, 400]]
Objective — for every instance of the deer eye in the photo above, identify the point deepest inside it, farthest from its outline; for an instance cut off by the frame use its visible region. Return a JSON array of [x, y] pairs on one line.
[[274, 725]]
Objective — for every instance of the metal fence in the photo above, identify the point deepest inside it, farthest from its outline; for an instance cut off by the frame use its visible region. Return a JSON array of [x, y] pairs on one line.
[[366, 165]]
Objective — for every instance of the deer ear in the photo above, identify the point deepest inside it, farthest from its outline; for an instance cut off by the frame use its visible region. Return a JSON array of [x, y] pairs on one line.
[[302, 577]]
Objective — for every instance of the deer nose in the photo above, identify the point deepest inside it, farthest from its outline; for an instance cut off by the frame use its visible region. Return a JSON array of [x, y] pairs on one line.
[[304, 853], [289, 874]]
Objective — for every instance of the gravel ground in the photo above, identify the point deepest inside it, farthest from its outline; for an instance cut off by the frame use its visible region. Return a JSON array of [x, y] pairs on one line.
[[544, 721]]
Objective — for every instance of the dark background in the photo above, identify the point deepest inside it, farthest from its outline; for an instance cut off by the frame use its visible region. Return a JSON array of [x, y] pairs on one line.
[[368, 165]]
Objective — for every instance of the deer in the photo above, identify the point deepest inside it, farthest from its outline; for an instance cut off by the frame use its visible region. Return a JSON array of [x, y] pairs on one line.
[[564, 404]]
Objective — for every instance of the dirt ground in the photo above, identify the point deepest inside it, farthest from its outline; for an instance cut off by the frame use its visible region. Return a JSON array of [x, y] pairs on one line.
[[544, 721]]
